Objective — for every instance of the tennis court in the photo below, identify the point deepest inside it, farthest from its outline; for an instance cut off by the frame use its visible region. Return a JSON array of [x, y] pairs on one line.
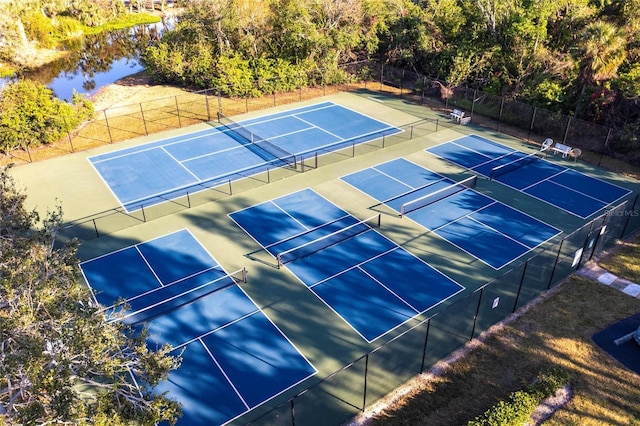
[[369, 281], [234, 358], [491, 231], [170, 168], [562, 187]]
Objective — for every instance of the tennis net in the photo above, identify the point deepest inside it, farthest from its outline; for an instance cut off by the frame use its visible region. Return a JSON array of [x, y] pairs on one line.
[[273, 153], [326, 241], [438, 195], [513, 165], [168, 298]]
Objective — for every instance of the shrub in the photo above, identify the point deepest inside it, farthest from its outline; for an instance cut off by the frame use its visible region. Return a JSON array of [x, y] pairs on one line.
[[520, 405], [30, 115], [39, 28]]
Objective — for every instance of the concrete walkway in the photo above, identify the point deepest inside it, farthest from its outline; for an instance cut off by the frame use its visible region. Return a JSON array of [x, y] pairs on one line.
[[595, 272]]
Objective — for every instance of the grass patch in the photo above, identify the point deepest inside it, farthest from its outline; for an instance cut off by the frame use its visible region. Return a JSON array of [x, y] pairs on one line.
[[626, 261], [125, 21], [556, 333]]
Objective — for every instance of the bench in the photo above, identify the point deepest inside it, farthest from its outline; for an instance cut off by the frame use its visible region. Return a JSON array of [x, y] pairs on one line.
[[562, 149], [456, 115]]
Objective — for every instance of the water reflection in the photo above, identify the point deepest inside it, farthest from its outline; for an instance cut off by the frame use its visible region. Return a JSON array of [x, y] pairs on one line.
[[98, 60]]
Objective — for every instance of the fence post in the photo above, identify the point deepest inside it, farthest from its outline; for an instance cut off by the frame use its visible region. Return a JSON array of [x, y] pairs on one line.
[[633, 206], [473, 101], [143, 120], [178, 112], [364, 393], [206, 103], [293, 412], [107, 123], [501, 110], [524, 272], [604, 146], [26, 148], [533, 120], [424, 347], [566, 131], [68, 133], [475, 317], [555, 264]]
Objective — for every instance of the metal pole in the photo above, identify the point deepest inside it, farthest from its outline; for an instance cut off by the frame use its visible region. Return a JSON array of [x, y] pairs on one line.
[[143, 120], [475, 317], [107, 123], [364, 393], [424, 347], [524, 271], [178, 112]]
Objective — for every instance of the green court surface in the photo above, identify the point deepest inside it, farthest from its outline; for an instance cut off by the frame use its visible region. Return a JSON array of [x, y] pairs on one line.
[[324, 339]]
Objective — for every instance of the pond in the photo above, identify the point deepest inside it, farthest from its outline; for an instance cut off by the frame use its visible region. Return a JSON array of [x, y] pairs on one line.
[[95, 61]]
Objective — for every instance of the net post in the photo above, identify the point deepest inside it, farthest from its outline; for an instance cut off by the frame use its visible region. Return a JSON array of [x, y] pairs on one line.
[[379, 220], [230, 192]]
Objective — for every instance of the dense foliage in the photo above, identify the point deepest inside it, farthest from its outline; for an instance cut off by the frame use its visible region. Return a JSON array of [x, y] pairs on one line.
[[578, 57], [521, 404], [61, 362], [30, 115]]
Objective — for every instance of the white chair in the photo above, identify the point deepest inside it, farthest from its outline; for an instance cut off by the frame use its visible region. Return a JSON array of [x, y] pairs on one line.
[[545, 147], [575, 153]]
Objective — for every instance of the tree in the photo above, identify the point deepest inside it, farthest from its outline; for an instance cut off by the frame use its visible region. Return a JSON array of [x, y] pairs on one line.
[[603, 52], [60, 360], [31, 116]]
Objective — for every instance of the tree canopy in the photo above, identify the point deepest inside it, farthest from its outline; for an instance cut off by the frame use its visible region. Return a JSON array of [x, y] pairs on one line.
[[552, 53], [61, 361]]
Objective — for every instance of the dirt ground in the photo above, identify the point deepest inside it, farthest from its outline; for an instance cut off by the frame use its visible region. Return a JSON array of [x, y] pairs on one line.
[[132, 90]]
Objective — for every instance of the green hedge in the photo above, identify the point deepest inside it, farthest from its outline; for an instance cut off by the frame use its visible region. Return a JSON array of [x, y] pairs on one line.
[[520, 405]]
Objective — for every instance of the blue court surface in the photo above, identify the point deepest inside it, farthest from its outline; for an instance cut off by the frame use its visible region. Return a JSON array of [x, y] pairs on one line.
[[155, 172], [233, 357], [477, 224], [567, 189], [365, 278]]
